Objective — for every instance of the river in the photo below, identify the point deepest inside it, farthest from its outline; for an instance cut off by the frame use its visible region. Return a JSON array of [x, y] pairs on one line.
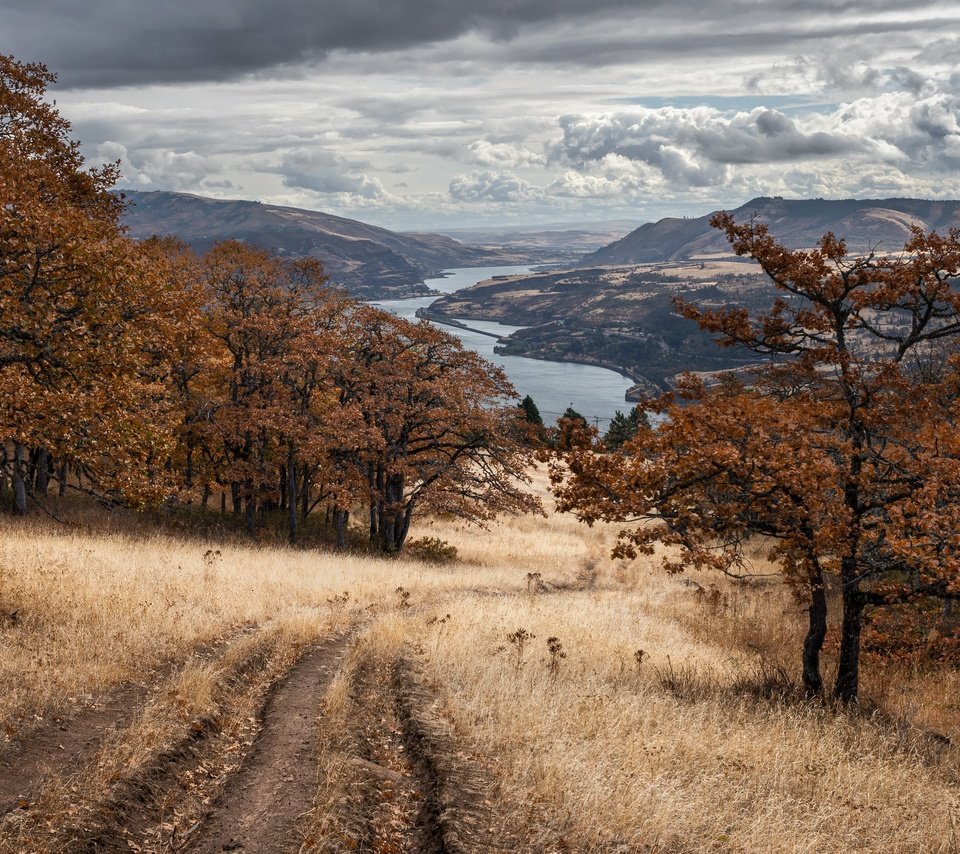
[[594, 392]]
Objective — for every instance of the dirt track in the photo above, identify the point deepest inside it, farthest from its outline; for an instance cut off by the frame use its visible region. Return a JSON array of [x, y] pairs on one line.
[[260, 807], [411, 799], [63, 744]]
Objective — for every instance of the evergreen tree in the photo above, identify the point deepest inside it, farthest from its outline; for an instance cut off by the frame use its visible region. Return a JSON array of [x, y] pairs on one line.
[[624, 427], [572, 430], [571, 414], [530, 411]]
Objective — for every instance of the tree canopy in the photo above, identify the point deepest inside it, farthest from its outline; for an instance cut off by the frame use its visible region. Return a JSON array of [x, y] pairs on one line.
[[842, 451], [159, 376]]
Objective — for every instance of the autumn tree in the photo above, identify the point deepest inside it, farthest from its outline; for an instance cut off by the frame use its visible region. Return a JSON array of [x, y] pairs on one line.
[[189, 362], [843, 451], [440, 437], [79, 310], [267, 313]]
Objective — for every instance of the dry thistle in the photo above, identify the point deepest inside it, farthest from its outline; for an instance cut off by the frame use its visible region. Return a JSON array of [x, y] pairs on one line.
[[519, 639], [555, 649]]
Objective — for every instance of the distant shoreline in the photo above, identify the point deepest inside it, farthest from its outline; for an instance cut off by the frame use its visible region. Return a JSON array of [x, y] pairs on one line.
[[446, 320], [631, 395]]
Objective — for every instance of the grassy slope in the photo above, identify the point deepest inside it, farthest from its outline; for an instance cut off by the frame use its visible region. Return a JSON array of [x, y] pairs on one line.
[[683, 750]]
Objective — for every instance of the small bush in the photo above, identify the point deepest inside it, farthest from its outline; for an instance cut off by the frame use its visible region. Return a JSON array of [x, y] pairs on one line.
[[432, 550]]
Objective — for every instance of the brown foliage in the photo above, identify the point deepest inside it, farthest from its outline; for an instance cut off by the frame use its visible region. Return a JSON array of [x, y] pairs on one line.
[[160, 375], [82, 309], [843, 451]]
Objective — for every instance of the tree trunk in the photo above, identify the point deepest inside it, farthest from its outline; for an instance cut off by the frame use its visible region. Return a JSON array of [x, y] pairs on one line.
[[372, 483], [304, 495], [43, 471], [846, 687], [32, 468], [291, 494], [188, 475], [392, 531], [4, 462], [340, 518], [235, 500], [63, 472], [251, 503], [813, 642], [19, 487], [223, 503], [284, 483], [404, 527], [205, 498]]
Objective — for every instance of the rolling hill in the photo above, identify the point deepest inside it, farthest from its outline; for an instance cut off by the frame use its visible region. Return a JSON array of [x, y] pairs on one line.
[[866, 224], [370, 262]]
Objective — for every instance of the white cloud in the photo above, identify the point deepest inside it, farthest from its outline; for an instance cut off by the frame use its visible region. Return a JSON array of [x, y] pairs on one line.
[[325, 172], [504, 155], [842, 99], [491, 187], [158, 170]]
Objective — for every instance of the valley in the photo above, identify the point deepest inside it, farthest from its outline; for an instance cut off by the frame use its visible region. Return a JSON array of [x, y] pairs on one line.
[[619, 319], [368, 261]]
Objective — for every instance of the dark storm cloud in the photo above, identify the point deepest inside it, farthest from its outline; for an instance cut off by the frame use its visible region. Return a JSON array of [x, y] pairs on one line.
[[114, 42], [95, 43]]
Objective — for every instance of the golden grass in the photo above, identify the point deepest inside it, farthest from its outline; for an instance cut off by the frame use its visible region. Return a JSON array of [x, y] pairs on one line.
[[93, 610], [690, 748], [670, 755]]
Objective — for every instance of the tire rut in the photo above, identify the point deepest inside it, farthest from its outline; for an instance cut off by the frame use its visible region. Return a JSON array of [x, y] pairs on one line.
[[68, 742], [260, 808], [447, 815], [402, 784]]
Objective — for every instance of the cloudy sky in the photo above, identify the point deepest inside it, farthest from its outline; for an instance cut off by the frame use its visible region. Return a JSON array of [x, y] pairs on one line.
[[431, 113]]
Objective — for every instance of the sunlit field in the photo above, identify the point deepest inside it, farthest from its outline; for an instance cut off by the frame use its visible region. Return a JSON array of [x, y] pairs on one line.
[[565, 701]]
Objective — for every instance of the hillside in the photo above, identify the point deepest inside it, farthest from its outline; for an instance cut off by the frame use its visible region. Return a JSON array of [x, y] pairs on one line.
[[865, 224], [371, 262], [159, 691], [622, 319]]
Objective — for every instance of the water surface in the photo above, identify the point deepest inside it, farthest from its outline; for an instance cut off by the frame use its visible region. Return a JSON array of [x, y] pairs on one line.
[[594, 392]]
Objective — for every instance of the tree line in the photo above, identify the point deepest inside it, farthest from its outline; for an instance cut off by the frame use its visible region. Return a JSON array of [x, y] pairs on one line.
[[140, 372]]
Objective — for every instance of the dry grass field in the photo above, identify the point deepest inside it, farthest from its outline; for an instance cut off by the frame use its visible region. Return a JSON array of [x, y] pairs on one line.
[[170, 694]]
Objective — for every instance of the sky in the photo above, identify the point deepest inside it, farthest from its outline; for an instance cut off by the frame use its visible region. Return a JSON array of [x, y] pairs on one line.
[[425, 114]]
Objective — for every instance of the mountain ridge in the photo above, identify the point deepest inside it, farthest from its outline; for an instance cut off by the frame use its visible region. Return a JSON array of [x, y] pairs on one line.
[[369, 261], [866, 224]]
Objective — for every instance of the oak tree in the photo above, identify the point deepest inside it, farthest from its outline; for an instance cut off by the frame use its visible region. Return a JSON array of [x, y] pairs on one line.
[[843, 450], [79, 308], [442, 439]]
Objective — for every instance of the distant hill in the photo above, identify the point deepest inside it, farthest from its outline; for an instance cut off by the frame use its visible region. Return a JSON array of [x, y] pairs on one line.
[[370, 262], [566, 241], [865, 224]]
